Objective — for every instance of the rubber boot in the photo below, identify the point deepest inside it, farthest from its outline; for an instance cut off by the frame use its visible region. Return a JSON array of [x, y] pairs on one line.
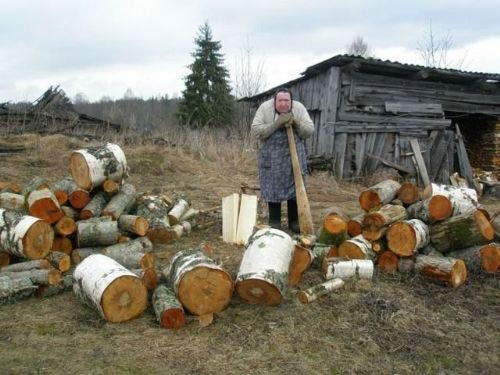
[[293, 217], [275, 215]]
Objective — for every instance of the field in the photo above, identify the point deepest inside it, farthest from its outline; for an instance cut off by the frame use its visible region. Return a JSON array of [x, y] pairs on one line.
[[394, 324]]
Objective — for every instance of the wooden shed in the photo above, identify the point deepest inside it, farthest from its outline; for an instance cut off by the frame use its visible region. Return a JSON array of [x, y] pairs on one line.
[[371, 114]]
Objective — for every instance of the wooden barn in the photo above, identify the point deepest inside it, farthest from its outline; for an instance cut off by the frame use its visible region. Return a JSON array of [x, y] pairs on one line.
[[371, 114]]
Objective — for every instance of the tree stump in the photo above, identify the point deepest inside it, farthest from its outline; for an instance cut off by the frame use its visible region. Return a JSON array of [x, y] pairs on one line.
[[313, 293], [168, 310], [263, 273], [355, 225], [12, 202], [408, 193], [202, 286], [44, 205], [97, 233], [432, 209], [443, 269], [12, 290], [94, 207], [405, 238], [38, 264], [481, 258], [379, 194], [115, 292], [343, 268], [133, 224], [92, 166], [356, 248], [334, 228]]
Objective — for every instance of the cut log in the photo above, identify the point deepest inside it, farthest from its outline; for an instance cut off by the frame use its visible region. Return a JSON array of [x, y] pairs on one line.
[[343, 268], [379, 194], [120, 202], [97, 233], [133, 224], [94, 207], [130, 255], [36, 183], [462, 231], [317, 291], [432, 209], [13, 202], [77, 255], [4, 259], [263, 273], [70, 212], [115, 292], [189, 214], [443, 269], [45, 291], [302, 259], [155, 210], [110, 187], [79, 198], [38, 264], [168, 309], [44, 205], [379, 245], [463, 199], [12, 290], [65, 226], [149, 277], [481, 258], [62, 189], [355, 225], [406, 265], [321, 251], [333, 231], [179, 208], [375, 220], [37, 276], [10, 187], [91, 167], [408, 193], [59, 260], [62, 244], [202, 286], [24, 236], [405, 238], [356, 248], [388, 261]]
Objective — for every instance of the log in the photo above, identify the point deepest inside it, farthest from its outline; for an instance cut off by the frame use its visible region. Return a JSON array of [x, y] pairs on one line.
[[97, 233], [406, 265], [432, 209], [94, 207], [321, 251], [92, 166], [263, 273], [480, 258], [443, 269], [36, 183], [62, 189], [110, 187], [10, 187], [79, 198], [202, 286], [45, 291], [355, 225], [379, 194], [379, 245], [459, 232], [133, 224], [463, 199], [386, 215], [189, 214], [24, 236], [59, 260], [168, 310], [70, 212], [120, 202], [149, 277], [12, 290], [333, 231], [387, 261], [38, 264], [179, 208], [408, 193], [130, 255], [313, 293], [115, 292], [65, 226], [155, 210], [302, 259], [62, 244], [44, 205], [4, 259], [405, 238], [343, 268], [356, 248], [37, 276], [13, 202], [77, 255]]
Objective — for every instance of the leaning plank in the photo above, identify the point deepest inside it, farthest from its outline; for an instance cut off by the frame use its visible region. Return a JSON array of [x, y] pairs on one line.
[[263, 273], [247, 218], [443, 269], [405, 238], [12, 202], [37, 264], [120, 202], [313, 293], [356, 248], [463, 159], [115, 292], [168, 309], [12, 290], [343, 268], [230, 212], [420, 161], [97, 233], [480, 258], [379, 194]]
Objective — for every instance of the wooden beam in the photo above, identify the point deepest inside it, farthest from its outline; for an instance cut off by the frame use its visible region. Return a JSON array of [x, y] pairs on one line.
[[390, 164], [420, 162]]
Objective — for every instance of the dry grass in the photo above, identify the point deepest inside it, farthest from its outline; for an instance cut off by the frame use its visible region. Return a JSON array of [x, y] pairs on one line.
[[395, 324]]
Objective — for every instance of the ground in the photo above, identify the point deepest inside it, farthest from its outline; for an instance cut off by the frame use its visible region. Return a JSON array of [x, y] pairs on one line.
[[393, 324]]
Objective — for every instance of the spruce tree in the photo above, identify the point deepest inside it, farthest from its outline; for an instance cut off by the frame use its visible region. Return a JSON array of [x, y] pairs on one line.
[[207, 100]]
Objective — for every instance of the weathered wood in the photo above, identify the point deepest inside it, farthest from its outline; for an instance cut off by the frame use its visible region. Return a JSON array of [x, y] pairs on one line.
[[414, 108], [379, 194], [390, 164], [463, 159], [356, 248], [230, 209], [115, 292], [120, 202], [44, 205], [313, 293], [97, 233], [133, 224], [333, 230], [59, 260], [37, 276], [13, 202], [343, 268], [404, 238], [12, 290], [443, 269], [420, 162], [168, 310], [408, 193], [95, 206], [37, 264]]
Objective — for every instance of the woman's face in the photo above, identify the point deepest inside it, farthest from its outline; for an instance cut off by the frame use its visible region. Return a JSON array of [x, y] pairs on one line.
[[283, 102]]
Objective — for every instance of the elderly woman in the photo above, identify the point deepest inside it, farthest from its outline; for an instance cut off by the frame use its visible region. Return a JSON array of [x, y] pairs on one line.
[[275, 166]]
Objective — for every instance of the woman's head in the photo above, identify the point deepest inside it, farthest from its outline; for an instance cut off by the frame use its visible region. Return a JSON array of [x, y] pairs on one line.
[[283, 100]]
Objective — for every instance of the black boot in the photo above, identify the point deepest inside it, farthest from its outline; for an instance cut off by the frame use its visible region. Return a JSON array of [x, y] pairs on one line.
[[274, 214], [293, 217]]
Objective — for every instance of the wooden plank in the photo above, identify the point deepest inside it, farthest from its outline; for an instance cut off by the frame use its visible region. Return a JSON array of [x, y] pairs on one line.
[[420, 162], [247, 218], [423, 108], [391, 164], [415, 121], [360, 152], [377, 151], [328, 107], [230, 211], [463, 159], [439, 152], [340, 146]]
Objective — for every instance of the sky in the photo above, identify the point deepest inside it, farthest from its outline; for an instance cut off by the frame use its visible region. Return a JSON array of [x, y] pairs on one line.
[[103, 48]]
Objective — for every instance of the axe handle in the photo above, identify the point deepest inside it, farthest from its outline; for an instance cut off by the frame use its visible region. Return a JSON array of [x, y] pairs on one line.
[[304, 211]]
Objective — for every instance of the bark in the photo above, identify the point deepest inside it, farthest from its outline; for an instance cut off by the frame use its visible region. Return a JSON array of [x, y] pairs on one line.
[[97, 233], [405, 238], [12, 290], [13, 202], [29, 265], [59, 260], [343, 268], [63, 188], [355, 225], [317, 291], [334, 227], [463, 199], [149, 277], [388, 214], [37, 276], [45, 291], [480, 258], [379, 194], [356, 248], [432, 209], [180, 207], [130, 255], [495, 223], [120, 202], [36, 183], [133, 224], [77, 255], [168, 310], [115, 292], [191, 213], [44, 205], [408, 193], [95, 206], [443, 269]]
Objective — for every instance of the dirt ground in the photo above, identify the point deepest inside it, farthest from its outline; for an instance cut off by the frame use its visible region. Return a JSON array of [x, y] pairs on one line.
[[394, 324]]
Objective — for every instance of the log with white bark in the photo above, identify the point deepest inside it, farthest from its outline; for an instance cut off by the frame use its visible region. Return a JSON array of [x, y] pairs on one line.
[[59, 260], [44, 205], [13, 202], [24, 236], [443, 269], [379, 194], [388, 261], [10, 187], [168, 310], [130, 255], [95, 206], [62, 189], [65, 226], [36, 183], [97, 233], [333, 230], [120, 202], [343, 268], [201, 285], [355, 225], [92, 166], [38, 264], [155, 210], [179, 208], [45, 291], [459, 232], [191, 213], [356, 248], [110, 187], [432, 209], [48, 276], [77, 255], [115, 292], [480, 258], [313, 293], [408, 193], [149, 277], [405, 238], [386, 215], [12, 290], [133, 224], [263, 273], [70, 212], [462, 199]]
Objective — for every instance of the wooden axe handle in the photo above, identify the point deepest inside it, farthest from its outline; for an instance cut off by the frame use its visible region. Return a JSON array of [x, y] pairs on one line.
[[304, 211]]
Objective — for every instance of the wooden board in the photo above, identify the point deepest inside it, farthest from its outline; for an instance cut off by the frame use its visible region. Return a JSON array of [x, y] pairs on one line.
[[247, 218], [420, 161], [230, 211]]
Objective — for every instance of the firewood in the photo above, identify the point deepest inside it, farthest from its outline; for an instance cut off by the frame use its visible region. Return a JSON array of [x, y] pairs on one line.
[[321, 251], [62, 244], [387, 261], [70, 212], [59, 260], [313, 293], [202, 286], [63, 188], [44, 205], [263, 273], [10, 187], [408, 193], [37, 276], [343, 268], [77, 255], [333, 231], [463, 199], [302, 259], [65, 226], [149, 277], [379, 245], [36, 183], [155, 210], [179, 208], [115, 292], [38, 264], [94, 207], [4, 259], [459, 232], [386, 215], [443, 269], [133, 224], [355, 225], [168, 309], [12, 290], [91, 167], [79, 198], [45, 291], [307, 240], [405, 238], [120, 202], [130, 255], [432, 209], [25, 236], [479, 258], [379, 194], [356, 248], [97, 233], [110, 187], [13, 202], [189, 214]]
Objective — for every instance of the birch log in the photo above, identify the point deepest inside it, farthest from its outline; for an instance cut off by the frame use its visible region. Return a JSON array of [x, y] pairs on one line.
[[44, 205], [12, 290], [45, 291], [312, 294], [179, 208], [443, 269], [70, 212], [95, 206], [333, 230], [379, 194], [37, 276], [38, 264], [59, 260], [115, 292], [62, 244], [480, 258], [65, 226], [120, 202], [302, 259], [343, 268], [463, 199], [168, 310], [405, 238], [155, 210], [62, 189], [263, 273], [133, 224], [355, 225], [130, 255], [408, 193], [432, 209], [24, 236], [97, 233], [149, 277], [13, 202], [356, 248]]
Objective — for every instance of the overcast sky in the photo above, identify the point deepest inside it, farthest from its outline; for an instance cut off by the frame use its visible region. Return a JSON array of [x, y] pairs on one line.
[[102, 48]]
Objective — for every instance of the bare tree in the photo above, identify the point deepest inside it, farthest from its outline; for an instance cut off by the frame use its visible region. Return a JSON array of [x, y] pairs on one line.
[[359, 47]]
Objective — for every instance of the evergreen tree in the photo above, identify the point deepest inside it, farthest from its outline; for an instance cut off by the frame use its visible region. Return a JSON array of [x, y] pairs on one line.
[[206, 100]]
